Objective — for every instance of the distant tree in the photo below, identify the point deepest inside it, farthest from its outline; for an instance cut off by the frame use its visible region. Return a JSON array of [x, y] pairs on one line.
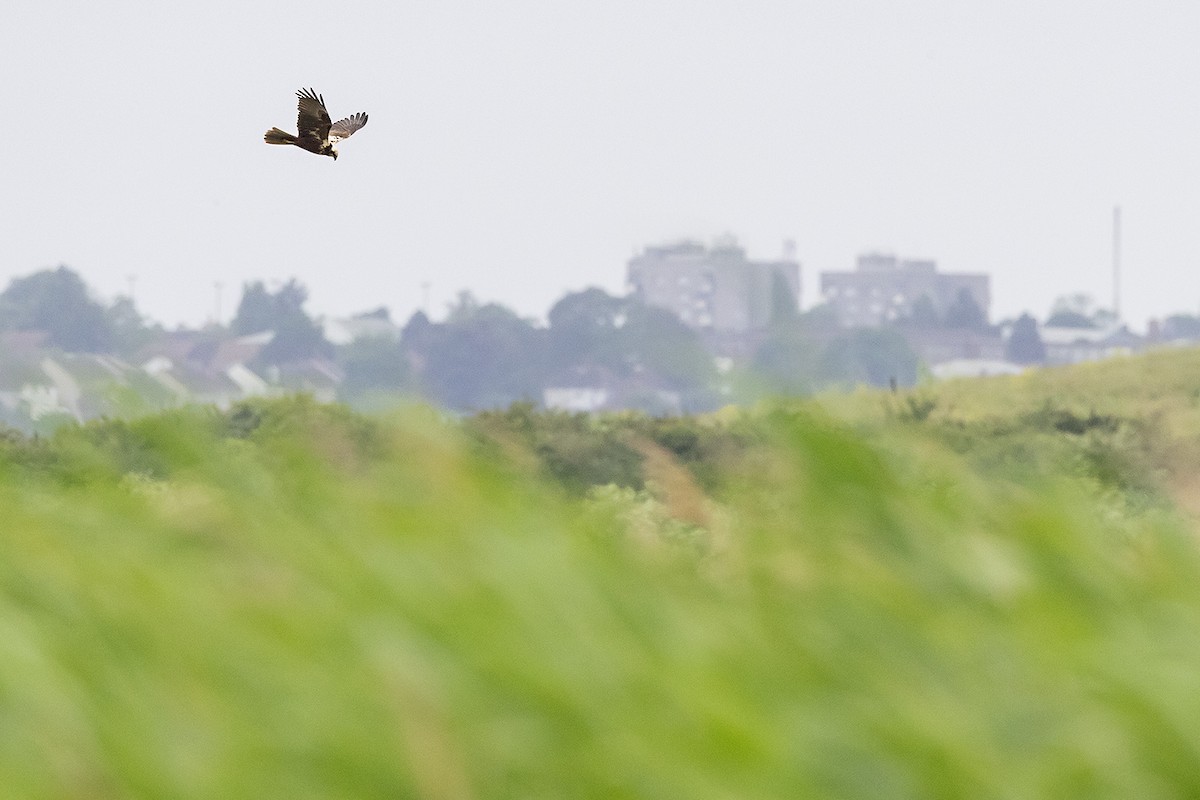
[[1025, 344], [585, 330], [58, 303], [923, 314], [416, 333], [628, 339], [373, 364], [657, 343], [875, 356], [297, 336], [589, 310], [965, 313], [1078, 311], [784, 308], [131, 330], [464, 307], [820, 318], [788, 361], [483, 356], [1069, 319], [1078, 303], [257, 310], [1181, 326]]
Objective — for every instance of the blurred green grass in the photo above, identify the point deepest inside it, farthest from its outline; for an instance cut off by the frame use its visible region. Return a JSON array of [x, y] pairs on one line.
[[290, 600]]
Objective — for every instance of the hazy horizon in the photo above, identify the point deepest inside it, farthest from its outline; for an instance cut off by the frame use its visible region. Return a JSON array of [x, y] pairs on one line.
[[524, 151]]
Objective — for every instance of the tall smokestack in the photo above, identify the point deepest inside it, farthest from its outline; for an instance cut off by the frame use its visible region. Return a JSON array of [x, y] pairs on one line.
[[1116, 261]]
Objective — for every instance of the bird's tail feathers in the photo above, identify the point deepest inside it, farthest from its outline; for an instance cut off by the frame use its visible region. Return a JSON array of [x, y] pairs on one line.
[[276, 136]]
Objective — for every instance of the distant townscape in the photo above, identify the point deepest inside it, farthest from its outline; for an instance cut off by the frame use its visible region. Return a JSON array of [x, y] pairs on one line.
[[701, 326]]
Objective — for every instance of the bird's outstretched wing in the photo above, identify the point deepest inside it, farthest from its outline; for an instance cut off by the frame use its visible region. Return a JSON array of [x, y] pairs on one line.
[[312, 119], [344, 127]]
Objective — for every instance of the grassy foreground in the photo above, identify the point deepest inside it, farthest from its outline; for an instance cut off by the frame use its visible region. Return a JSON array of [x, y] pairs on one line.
[[933, 595]]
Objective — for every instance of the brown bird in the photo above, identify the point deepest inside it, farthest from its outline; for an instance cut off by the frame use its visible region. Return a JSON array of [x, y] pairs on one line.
[[317, 134]]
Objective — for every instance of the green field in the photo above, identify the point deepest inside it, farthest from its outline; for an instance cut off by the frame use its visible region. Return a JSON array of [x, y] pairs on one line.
[[983, 589]]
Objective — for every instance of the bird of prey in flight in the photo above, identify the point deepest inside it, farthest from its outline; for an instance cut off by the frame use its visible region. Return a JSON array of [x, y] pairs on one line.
[[316, 133]]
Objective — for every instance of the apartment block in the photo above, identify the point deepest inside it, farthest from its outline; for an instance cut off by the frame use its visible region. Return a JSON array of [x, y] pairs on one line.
[[884, 288], [715, 288]]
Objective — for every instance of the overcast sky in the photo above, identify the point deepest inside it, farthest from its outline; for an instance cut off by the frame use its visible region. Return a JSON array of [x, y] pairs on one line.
[[526, 148]]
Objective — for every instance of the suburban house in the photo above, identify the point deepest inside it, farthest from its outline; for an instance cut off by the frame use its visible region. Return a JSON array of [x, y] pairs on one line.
[[200, 367], [1075, 345]]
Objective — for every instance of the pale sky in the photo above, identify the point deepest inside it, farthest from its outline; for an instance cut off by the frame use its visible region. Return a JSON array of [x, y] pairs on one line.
[[527, 148]]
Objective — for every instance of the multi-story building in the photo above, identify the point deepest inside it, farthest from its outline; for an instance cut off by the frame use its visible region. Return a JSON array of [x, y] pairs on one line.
[[715, 289], [884, 288]]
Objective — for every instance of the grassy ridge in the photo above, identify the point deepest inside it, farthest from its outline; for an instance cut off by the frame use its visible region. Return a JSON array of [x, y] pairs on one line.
[[288, 600]]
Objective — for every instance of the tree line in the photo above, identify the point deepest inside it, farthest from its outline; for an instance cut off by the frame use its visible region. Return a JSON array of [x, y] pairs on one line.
[[484, 355]]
